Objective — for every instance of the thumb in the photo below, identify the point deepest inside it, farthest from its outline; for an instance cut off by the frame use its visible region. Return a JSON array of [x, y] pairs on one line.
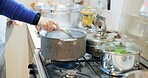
[[44, 26]]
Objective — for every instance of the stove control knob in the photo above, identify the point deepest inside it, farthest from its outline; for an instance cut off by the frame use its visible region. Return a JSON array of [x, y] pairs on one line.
[[33, 72], [31, 66]]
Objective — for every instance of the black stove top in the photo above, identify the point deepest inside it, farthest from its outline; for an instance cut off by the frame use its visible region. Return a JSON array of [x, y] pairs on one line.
[[72, 69], [81, 68]]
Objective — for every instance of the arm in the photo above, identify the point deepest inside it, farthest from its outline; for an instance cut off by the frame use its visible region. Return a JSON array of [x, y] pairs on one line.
[[16, 11]]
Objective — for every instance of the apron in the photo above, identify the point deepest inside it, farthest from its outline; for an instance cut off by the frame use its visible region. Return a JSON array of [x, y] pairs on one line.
[[2, 45]]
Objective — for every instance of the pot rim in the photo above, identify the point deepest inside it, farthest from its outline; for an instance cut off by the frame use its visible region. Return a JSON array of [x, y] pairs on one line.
[[121, 48], [62, 39], [113, 53], [55, 8], [44, 33]]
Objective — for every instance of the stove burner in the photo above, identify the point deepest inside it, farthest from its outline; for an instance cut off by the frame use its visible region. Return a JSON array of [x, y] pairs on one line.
[[66, 66], [75, 74], [70, 74]]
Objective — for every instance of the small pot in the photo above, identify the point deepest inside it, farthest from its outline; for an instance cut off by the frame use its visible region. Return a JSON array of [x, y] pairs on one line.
[[119, 57], [92, 47], [93, 43], [58, 46]]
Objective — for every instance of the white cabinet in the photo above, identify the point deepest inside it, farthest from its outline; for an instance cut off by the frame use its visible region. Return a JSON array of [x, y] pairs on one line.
[[16, 53]]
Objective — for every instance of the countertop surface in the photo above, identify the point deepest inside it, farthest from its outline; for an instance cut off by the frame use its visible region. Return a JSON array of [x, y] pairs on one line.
[[34, 36]]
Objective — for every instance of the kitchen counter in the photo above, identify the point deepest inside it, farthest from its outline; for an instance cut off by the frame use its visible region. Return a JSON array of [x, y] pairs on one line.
[[33, 41], [33, 36]]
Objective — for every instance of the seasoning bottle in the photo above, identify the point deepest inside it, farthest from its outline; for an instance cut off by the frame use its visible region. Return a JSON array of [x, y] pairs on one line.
[[87, 17]]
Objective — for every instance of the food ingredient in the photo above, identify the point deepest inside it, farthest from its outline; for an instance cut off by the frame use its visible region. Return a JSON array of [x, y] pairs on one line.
[[120, 51]]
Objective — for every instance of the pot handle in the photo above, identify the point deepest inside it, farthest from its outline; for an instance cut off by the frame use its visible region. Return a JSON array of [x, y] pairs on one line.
[[74, 41]]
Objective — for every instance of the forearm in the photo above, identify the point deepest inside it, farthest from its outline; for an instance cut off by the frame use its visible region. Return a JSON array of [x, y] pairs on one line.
[[16, 11]]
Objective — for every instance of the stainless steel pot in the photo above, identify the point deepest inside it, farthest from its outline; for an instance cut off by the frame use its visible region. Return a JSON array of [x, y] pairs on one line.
[[120, 56], [58, 46], [93, 43], [67, 15]]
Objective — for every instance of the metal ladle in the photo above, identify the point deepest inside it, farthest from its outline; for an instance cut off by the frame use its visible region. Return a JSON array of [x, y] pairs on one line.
[[67, 33]]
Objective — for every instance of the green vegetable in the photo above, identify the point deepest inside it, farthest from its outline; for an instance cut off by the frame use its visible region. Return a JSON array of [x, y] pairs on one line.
[[120, 51]]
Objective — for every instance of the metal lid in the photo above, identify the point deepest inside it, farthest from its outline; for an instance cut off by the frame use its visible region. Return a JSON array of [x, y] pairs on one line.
[[76, 33], [58, 8], [120, 47], [95, 41]]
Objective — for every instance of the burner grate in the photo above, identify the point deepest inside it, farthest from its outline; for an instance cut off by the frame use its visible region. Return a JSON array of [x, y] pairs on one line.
[[86, 68], [65, 66], [61, 69]]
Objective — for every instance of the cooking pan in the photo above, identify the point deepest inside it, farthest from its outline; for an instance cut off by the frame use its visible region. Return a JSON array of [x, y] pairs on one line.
[[59, 46], [120, 56]]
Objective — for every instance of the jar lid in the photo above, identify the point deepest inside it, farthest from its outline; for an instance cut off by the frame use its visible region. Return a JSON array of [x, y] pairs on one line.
[[88, 11]]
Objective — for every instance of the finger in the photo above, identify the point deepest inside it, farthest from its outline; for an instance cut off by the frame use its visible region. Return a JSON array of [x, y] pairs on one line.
[[57, 26], [45, 26], [50, 26]]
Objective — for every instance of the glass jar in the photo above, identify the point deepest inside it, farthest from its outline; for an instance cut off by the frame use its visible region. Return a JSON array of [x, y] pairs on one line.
[[88, 15]]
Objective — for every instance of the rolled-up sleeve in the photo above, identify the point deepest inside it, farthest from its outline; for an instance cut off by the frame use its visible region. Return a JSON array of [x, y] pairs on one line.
[[16, 11]]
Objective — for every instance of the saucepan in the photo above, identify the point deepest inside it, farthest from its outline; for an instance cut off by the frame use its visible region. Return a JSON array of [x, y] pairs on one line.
[[93, 43], [59, 46], [120, 56]]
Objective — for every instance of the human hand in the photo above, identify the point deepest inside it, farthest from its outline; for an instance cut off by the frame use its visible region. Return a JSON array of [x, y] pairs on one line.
[[13, 22], [48, 24]]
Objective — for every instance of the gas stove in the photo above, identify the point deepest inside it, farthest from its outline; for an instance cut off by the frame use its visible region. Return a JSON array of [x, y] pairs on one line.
[[85, 67]]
